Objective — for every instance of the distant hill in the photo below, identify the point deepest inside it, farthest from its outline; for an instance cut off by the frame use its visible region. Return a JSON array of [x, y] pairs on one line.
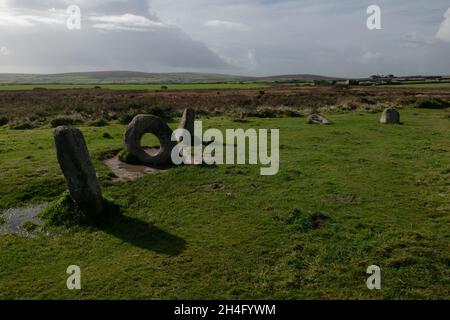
[[130, 77], [297, 77]]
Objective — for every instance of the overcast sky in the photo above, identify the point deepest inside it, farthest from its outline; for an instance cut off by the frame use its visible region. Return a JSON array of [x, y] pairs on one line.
[[254, 37]]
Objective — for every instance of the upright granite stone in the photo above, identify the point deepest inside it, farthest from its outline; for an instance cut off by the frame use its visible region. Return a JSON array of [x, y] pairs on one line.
[[141, 125], [390, 116], [188, 122], [318, 119], [76, 165]]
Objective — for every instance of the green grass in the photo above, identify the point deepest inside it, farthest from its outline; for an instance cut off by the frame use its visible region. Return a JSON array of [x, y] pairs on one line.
[[421, 85], [137, 86], [347, 196], [29, 226]]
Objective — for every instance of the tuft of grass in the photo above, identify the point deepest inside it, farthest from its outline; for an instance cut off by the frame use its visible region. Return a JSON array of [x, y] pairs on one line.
[[23, 125], [241, 120], [128, 117], [266, 113], [2, 220], [65, 121], [3, 121], [29, 226], [64, 212], [432, 103], [106, 135], [272, 112], [165, 113], [305, 222], [128, 157], [102, 122]]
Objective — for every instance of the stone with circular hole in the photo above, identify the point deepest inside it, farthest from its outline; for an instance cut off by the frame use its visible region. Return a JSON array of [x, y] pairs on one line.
[[141, 125]]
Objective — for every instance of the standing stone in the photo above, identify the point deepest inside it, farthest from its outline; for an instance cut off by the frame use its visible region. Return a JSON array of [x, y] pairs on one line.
[[390, 116], [317, 119], [76, 165], [141, 125], [187, 122]]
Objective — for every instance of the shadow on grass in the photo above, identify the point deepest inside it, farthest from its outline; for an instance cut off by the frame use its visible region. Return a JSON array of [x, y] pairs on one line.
[[144, 235], [64, 212]]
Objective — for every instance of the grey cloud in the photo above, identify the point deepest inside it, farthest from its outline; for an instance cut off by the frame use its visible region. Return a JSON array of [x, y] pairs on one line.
[[104, 42], [257, 37], [325, 37]]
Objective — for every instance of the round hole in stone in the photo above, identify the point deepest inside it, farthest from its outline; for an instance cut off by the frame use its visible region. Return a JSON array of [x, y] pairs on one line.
[[150, 143]]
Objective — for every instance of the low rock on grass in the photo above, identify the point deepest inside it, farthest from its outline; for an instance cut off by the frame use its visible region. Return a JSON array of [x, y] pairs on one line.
[[317, 119]]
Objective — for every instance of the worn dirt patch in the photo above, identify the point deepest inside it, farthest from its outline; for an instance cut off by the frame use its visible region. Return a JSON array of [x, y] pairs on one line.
[[127, 172]]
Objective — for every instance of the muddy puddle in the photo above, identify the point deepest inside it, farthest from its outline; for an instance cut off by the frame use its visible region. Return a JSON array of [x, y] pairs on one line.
[[13, 219]]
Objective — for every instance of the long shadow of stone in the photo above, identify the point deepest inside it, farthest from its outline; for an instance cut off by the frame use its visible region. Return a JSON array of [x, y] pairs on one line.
[[144, 235], [84, 203]]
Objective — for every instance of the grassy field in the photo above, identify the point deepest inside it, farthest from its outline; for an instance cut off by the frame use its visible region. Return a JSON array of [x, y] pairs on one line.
[[382, 191], [127, 77], [421, 85], [194, 86]]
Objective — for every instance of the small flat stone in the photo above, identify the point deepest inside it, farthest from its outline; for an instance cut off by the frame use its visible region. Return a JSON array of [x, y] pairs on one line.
[[318, 119]]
